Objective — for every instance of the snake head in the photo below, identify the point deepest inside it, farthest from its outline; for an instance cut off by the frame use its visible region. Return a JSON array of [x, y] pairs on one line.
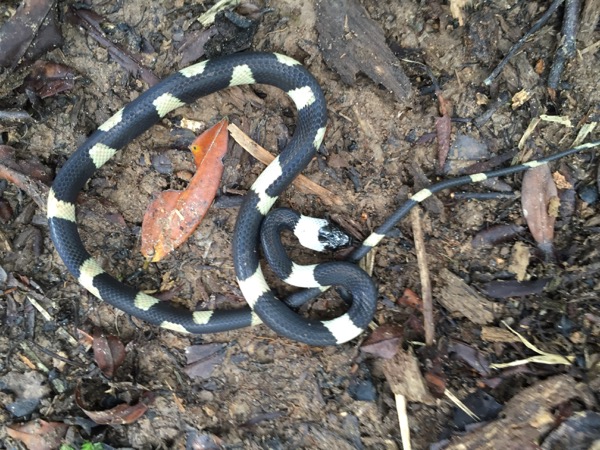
[[333, 238]]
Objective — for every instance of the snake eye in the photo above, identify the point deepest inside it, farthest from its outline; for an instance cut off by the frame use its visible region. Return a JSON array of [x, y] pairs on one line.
[[333, 238]]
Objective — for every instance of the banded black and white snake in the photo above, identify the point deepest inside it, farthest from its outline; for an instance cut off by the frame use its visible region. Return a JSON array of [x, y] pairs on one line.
[[185, 87]]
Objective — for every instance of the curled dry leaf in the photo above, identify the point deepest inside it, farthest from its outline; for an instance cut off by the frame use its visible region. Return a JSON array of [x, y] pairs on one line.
[[121, 414], [47, 78], [109, 353], [384, 342], [538, 194], [38, 434], [174, 215]]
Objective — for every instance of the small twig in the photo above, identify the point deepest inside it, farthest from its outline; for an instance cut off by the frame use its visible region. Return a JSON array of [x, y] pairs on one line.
[[454, 399], [502, 100], [35, 189], [56, 355], [403, 421], [424, 275], [567, 48], [90, 21], [15, 116], [515, 48], [482, 195], [301, 182]]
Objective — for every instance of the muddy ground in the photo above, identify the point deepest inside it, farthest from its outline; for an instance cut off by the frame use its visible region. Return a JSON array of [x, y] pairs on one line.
[[269, 392]]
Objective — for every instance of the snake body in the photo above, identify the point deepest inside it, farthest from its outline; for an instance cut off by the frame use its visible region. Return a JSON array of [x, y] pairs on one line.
[[184, 87]]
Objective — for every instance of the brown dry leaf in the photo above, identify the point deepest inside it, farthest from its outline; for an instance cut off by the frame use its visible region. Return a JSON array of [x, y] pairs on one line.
[[411, 299], [203, 359], [174, 215], [119, 415], [538, 190], [29, 33], [47, 78], [384, 342], [109, 353], [496, 235], [38, 434]]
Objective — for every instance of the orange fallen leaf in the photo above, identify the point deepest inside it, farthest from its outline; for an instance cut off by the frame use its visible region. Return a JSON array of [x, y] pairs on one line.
[[38, 434], [174, 215]]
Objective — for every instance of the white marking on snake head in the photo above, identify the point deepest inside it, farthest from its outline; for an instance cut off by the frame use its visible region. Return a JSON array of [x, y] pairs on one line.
[[241, 75], [254, 319], [87, 272], [253, 287], [166, 103], [100, 153], [532, 164], [60, 209], [307, 232], [342, 328], [302, 97]]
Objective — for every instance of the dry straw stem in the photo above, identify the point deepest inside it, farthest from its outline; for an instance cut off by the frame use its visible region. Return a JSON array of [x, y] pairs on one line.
[[301, 182]]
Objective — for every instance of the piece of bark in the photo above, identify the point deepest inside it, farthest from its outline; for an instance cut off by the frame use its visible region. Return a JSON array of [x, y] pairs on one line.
[[497, 334], [526, 418], [462, 300], [29, 33], [351, 43], [403, 374]]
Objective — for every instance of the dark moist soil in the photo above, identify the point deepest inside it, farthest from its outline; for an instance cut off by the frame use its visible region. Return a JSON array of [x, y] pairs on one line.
[[269, 392]]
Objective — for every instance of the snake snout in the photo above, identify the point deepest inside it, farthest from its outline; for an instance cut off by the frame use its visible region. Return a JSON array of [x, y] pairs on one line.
[[333, 237]]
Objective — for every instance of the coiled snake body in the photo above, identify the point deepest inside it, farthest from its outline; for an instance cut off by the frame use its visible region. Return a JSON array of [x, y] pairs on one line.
[[185, 87]]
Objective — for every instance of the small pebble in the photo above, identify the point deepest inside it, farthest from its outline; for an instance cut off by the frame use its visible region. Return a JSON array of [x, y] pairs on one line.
[[362, 390], [24, 407], [588, 194]]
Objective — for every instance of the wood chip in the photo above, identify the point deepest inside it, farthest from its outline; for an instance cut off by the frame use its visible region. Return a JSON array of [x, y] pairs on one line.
[[352, 43], [462, 300]]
